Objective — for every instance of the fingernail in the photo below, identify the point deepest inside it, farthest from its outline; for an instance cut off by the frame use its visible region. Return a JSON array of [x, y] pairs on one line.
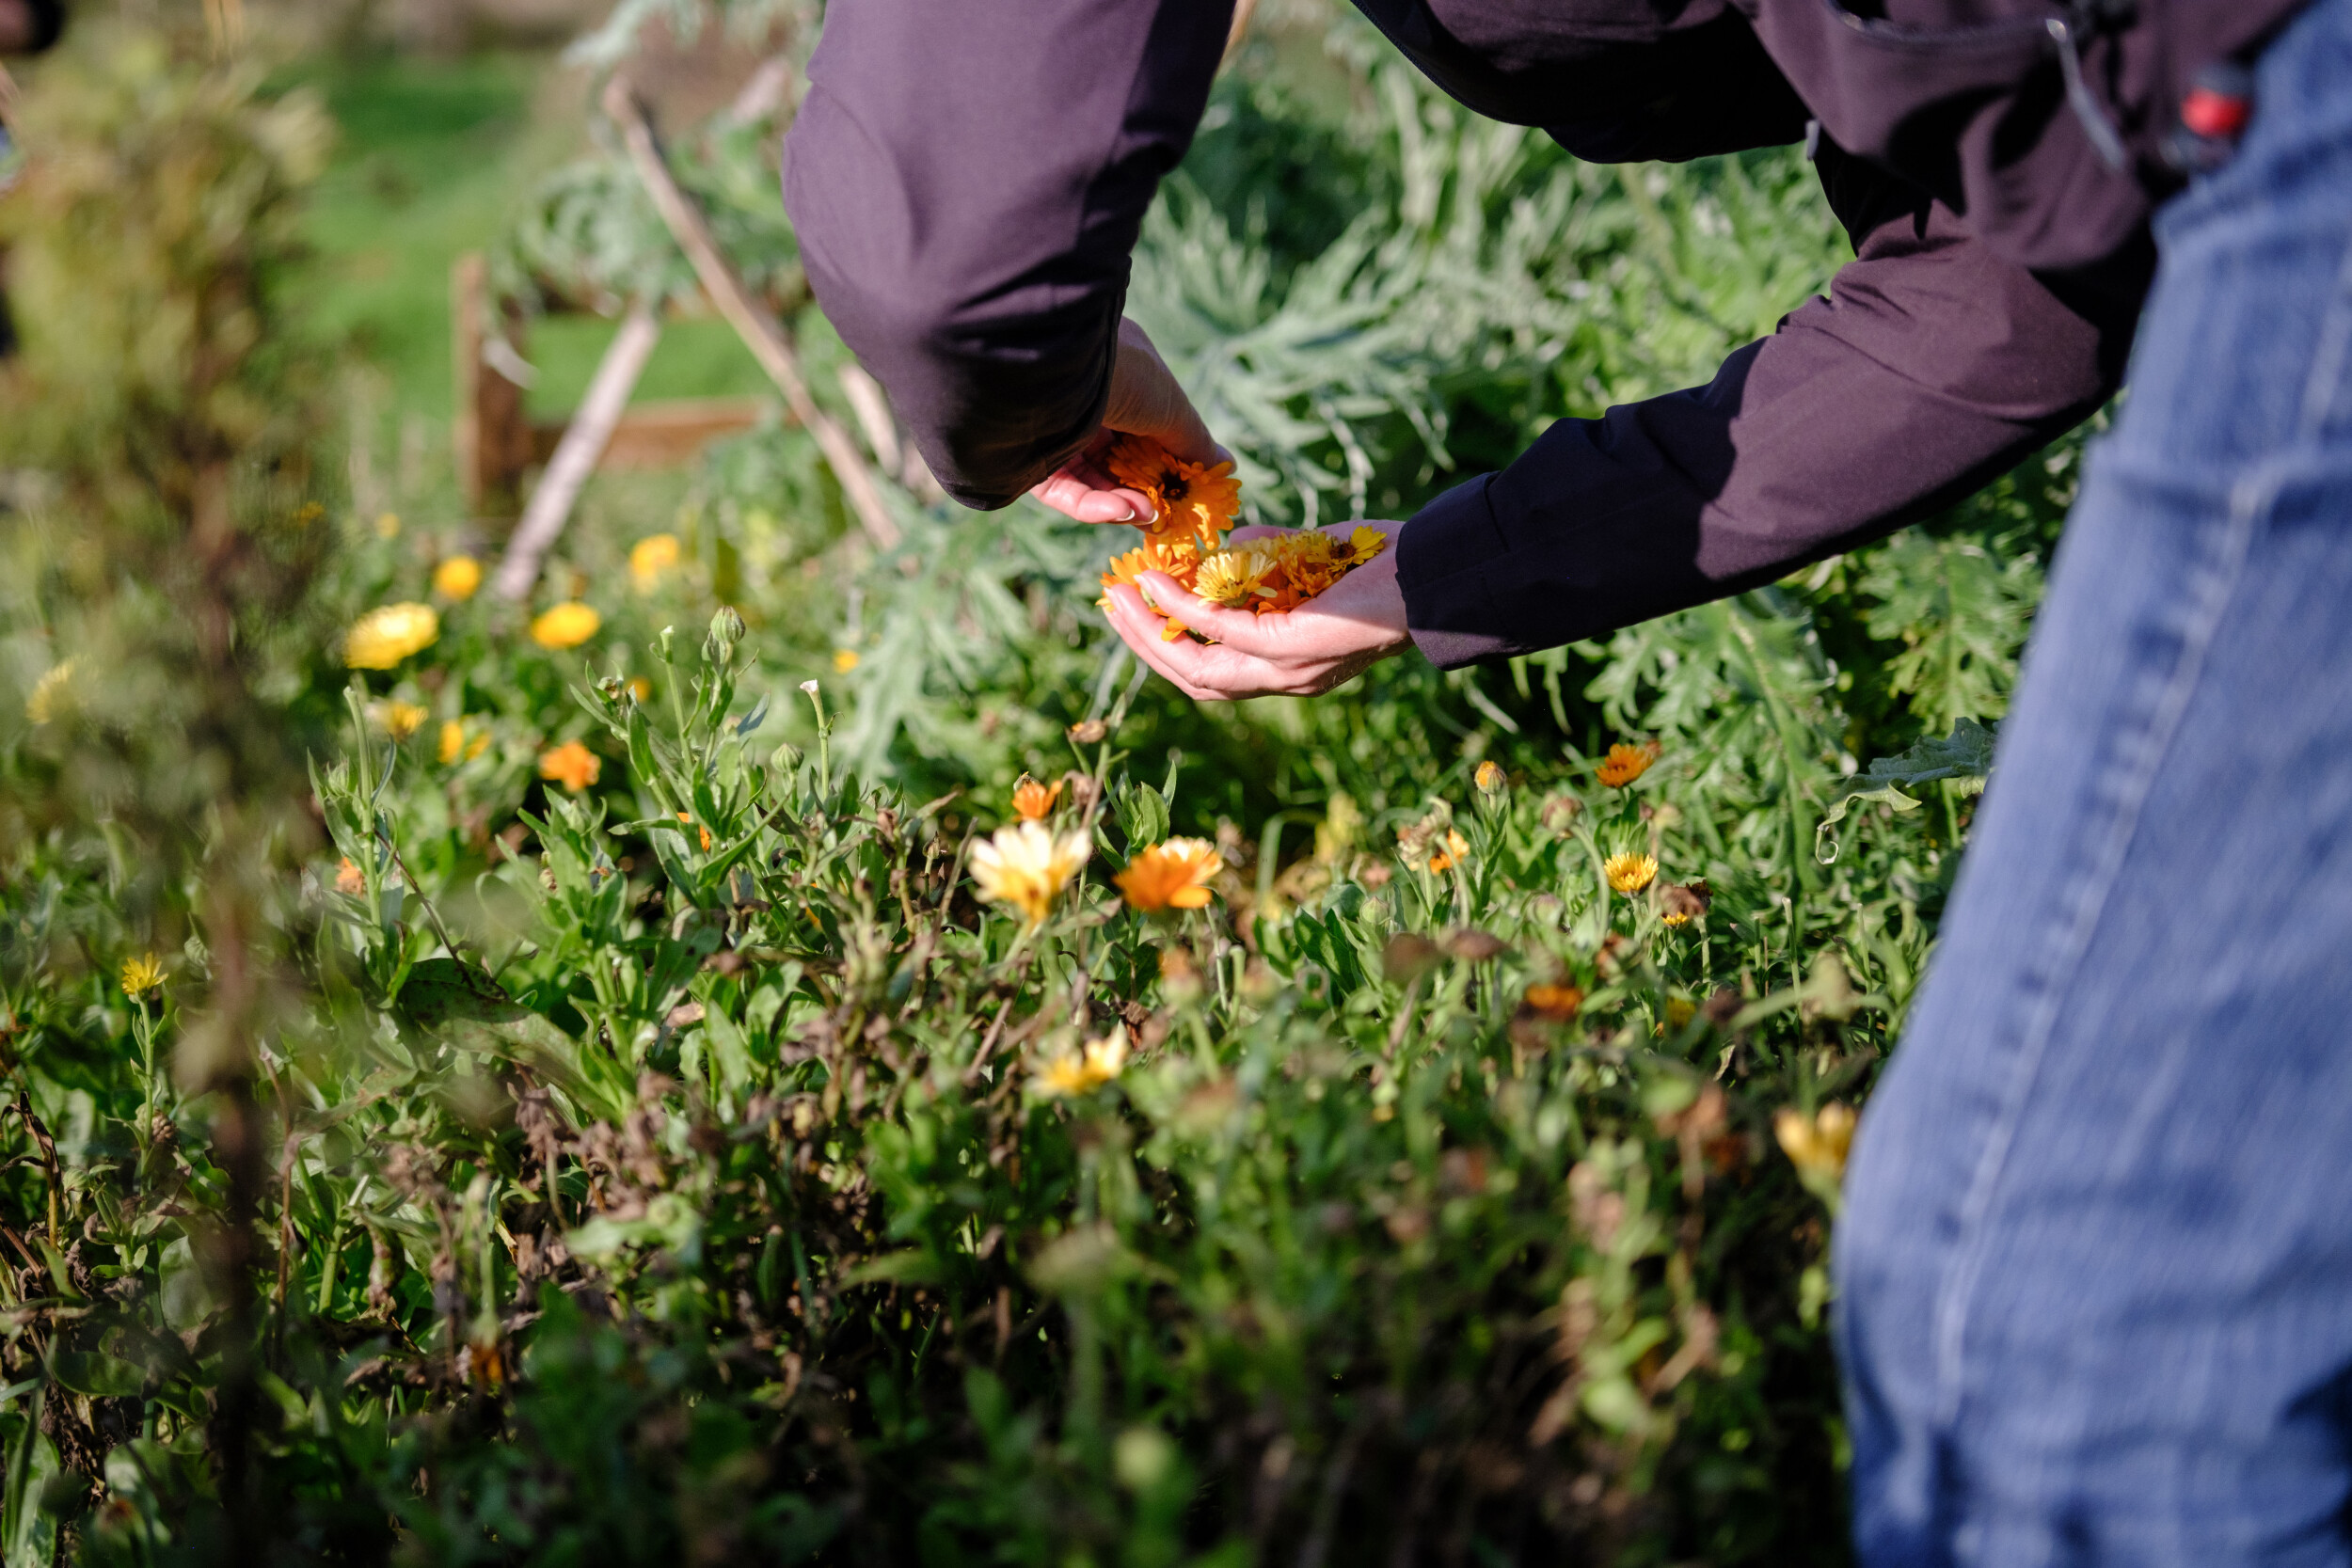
[[1130, 516]]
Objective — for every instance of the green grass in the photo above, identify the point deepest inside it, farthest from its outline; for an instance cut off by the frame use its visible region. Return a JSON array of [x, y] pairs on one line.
[[433, 157]]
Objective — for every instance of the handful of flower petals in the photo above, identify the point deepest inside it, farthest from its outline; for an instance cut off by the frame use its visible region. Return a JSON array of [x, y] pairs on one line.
[[1194, 506]]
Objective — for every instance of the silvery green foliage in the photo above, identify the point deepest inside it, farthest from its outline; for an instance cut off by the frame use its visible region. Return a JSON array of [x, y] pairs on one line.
[[623, 31]]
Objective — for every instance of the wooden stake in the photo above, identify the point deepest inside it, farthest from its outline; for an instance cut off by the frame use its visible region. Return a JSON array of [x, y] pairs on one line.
[[760, 334]]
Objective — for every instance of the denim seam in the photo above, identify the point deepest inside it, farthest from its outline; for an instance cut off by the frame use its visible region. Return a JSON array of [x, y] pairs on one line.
[[2211, 589], [2321, 390]]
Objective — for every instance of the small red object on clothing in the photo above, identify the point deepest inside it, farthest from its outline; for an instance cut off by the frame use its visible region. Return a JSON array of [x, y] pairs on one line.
[[2218, 115]]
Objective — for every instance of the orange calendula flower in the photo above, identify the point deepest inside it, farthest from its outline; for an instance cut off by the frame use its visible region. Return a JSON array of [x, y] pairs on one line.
[[1178, 556], [650, 558], [689, 817], [567, 625], [381, 638], [1193, 498], [350, 878], [1490, 779], [1624, 764], [1170, 876], [1456, 847], [1033, 802], [1556, 1003], [571, 765], [457, 577], [844, 660], [1630, 872]]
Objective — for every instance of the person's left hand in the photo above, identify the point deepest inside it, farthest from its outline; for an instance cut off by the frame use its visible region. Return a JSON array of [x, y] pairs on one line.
[[1331, 639]]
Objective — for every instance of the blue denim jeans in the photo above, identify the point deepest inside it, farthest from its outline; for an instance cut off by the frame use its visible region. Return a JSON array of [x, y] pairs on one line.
[[2096, 1268]]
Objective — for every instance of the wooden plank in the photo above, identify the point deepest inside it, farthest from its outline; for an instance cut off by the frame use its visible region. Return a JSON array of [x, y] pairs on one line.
[[668, 434], [490, 437]]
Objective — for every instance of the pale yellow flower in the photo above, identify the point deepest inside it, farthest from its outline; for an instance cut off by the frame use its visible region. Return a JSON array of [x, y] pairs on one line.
[[1026, 865], [567, 625], [1076, 1072], [651, 557], [140, 975], [1235, 577], [381, 638], [844, 661], [1170, 876], [1630, 872], [400, 720], [457, 577], [49, 696], [1817, 1148]]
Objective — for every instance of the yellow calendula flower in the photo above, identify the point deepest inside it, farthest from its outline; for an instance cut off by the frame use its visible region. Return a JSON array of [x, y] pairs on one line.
[[1091, 1067], [1817, 1147], [567, 625], [1033, 802], [1026, 865], [844, 660], [1490, 779], [51, 694], [400, 720], [1170, 876], [381, 638], [1630, 872], [140, 975], [1365, 542], [1233, 578], [388, 525], [651, 558], [456, 744], [571, 765], [457, 577], [1624, 763]]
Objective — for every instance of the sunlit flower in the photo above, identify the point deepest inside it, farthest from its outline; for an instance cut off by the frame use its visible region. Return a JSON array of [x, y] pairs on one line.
[[1817, 1148], [1554, 1001], [844, 660], [1187, 497], [350, 878], [1234, 578], [1365, 542], [1170, 876], [1177, 555], [1456, 847], [1630, 872], [49, 696], [1076, 1072], [641, 689], [1624, 764], [1033, 802], [651, 557], [567, 625], [452, 741], [400, 720], [141, 975], [1490, 777], [1680, 1011], [381, 638], [457, 577], [1026, 865], [571, 765]]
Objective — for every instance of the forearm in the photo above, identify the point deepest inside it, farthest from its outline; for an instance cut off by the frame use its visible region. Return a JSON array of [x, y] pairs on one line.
[[1931, 368], [966, 180]]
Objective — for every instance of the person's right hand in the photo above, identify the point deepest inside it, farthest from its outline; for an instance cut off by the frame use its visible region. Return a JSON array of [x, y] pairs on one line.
[[1145, 401]]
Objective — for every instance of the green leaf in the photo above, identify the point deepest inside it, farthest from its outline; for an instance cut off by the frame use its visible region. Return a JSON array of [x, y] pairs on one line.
[[1965, 754]]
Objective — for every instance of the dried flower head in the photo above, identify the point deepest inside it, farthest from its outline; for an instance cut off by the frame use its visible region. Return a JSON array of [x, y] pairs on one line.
[[650, 558], [383, 636], [1630, 872], [1026, 865], [571, 765], [140, 975], [567, 625], [457, 577], [1174, 875], [1680, 903], [1624, 763]]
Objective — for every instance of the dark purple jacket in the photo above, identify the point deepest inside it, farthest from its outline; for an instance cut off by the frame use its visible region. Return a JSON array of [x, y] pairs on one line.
[[967, 178]]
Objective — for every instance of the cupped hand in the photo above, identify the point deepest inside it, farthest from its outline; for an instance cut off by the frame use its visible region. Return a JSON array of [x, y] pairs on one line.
[[1145, 401], [1331, 639]]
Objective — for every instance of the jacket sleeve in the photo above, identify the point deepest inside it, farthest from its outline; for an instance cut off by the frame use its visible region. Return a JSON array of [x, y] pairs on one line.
[[1931, 366], [966, 180]]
